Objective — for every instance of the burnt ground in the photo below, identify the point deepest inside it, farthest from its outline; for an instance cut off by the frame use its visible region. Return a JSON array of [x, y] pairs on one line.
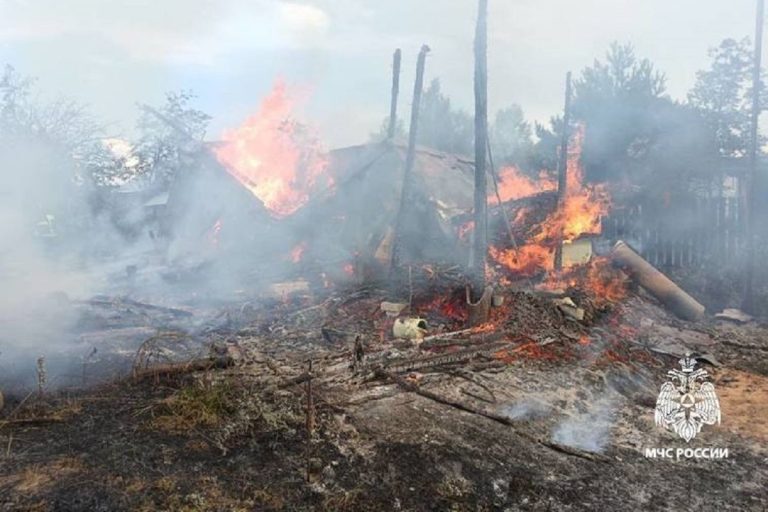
[[555, 415]]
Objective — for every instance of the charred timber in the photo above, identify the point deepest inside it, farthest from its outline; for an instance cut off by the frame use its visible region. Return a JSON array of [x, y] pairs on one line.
[[656, 283], [406, 198], [562, 171], [395, 92], [480, 234]]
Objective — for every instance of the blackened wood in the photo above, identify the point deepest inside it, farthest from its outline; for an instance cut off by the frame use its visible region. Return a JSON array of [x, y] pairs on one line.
[[749, 210], [480, 233], [395, 93], [562, 171], [406, 194]]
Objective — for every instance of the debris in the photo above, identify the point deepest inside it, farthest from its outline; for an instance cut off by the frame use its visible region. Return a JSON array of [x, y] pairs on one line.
[[359, 353], [43, 420], [393, 309], [478, 311], [118, 302], [569, 308], [458, 356], [410, 328], [447, 335], [182, 368], [410, 386], [734, 315], [657, 284], [709, 358], [289, 288]]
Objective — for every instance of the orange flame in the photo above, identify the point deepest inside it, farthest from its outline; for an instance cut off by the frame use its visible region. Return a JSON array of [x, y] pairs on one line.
[[579, 213], [605, 282], [527, 260], [275, 156], [513, 184]]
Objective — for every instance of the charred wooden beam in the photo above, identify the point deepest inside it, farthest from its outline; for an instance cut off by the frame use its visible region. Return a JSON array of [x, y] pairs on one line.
[[749, 189], [657, 284], [460, 356], [407, 193], [562, 167], [480, 233], [395, 92], [197, 365], [479, 309]]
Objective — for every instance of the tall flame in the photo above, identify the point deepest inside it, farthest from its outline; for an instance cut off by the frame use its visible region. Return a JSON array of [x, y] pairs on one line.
[[273, 155], [578, 214], [513, 184]]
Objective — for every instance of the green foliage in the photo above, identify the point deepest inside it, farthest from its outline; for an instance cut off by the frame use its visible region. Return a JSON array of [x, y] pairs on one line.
[[441, 126], [166, 148], [634, 133], [723, 94], [544, 153], [511, 138], [445, 128]]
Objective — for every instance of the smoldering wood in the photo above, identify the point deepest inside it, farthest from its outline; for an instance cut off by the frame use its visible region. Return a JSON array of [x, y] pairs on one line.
[[176, 369], [460, 356], [414, 388], [395, 92], [657, 284], [479, 310]]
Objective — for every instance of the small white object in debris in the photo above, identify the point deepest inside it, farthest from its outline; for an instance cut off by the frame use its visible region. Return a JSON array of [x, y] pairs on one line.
[[410, 328], [393, 308], [734, 315], [567, 306], [497, 300]]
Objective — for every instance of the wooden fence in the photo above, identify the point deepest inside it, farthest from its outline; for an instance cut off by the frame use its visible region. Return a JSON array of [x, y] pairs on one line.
[[702, 230]]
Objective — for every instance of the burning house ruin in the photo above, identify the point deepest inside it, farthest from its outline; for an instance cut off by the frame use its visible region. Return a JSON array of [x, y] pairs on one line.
[[387, 326]]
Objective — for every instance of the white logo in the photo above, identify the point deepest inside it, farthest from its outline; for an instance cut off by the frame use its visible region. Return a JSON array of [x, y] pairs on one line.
[[686, 402]]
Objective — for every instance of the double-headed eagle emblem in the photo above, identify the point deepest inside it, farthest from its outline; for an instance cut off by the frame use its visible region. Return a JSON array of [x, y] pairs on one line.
[[687, 402]]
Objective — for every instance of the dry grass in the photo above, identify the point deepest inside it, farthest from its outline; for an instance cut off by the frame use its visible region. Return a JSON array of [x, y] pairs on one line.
[[35, 478], [195, 407]]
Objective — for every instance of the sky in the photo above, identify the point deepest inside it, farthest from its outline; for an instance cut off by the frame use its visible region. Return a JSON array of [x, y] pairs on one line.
[[113, 55]]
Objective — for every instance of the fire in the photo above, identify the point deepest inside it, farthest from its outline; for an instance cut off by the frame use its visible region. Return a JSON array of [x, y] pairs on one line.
[[578, 214], [528, 260], [513, 184], [605, 282], [274, 156]]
